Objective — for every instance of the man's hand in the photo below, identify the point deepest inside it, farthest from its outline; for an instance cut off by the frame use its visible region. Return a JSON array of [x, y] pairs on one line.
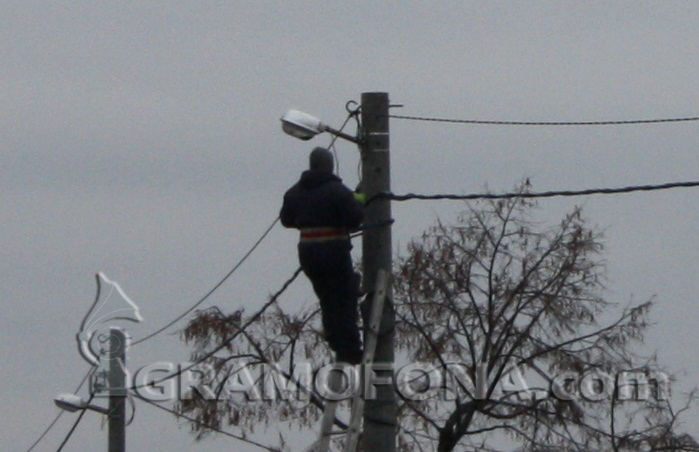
[[360, 197]]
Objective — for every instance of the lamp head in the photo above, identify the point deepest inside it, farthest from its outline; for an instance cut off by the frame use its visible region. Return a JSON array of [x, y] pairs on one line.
[[70, 402], [301, 125], [73, 403]]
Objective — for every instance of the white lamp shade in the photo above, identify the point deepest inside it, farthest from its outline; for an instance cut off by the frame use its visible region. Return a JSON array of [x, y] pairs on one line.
[[70, 402], [301, 125]]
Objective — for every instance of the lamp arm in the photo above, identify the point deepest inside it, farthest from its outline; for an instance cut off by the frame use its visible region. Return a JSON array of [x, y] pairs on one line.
[[327, 128]]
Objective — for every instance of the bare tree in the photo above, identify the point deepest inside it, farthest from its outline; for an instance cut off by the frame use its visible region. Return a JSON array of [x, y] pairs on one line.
[[515, 341], [498, 297]]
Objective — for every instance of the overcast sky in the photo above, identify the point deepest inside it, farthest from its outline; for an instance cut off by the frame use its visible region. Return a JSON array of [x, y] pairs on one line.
[[142, 140]]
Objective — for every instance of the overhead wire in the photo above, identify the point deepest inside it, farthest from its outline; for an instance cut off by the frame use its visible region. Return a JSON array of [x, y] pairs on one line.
[[75, 424], [230, 338], [546, 194], [544, 123], [60, 413], [219, 284]]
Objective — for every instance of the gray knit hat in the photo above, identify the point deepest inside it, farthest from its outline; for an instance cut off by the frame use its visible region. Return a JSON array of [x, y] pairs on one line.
[[321, 160]]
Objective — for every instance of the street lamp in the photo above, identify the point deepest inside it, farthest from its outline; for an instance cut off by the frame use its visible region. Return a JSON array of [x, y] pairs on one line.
[[73, 403], [304, 127], [115, 383]]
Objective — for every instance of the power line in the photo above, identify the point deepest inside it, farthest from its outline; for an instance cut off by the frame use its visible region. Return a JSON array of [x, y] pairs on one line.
[[202, 299], [545, 123], [229, 339], [546, 194], [75, 424], [191, 419], [60, 413]]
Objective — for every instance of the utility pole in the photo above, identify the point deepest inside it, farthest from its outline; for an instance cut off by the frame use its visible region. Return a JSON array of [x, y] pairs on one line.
[[117, 390], [380, 412]]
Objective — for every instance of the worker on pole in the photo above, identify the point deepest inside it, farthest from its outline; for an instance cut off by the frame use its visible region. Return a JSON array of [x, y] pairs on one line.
[[325, 211]]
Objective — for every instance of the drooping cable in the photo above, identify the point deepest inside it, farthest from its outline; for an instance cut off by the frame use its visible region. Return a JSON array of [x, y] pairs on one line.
[[219, 284]]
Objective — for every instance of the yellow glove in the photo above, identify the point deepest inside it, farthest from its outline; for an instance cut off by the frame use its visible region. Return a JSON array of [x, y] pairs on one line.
[[360, 197]]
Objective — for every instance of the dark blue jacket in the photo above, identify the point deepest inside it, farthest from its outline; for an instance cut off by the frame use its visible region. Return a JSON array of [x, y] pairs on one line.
[[320, 199]]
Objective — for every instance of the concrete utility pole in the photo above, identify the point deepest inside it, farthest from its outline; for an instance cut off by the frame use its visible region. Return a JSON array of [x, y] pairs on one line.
[[379, 413], [117, 391]]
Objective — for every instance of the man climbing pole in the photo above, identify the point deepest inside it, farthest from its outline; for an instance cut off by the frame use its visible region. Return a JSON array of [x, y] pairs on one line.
[[325, 211]]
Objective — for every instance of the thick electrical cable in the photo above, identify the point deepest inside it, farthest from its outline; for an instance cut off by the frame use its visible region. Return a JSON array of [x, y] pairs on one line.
[[545, 123], [229, 339], [60, 413], [219, 284], [546, 194], [191, 419], [75, 424]]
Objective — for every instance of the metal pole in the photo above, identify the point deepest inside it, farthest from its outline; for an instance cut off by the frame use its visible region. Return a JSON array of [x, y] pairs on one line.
[[379, 412], [117, 391]]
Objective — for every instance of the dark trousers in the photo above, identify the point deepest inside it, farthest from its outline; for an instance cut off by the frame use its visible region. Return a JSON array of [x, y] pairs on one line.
[[329, 267]]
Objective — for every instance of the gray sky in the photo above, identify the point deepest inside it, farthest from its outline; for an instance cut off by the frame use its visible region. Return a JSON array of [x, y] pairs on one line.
[[141, 139]]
